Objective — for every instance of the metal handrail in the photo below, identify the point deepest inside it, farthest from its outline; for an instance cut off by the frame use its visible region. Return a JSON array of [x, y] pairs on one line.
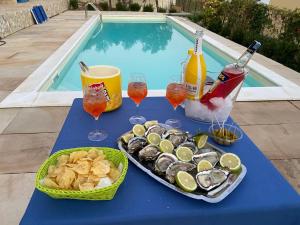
[[94, 7]]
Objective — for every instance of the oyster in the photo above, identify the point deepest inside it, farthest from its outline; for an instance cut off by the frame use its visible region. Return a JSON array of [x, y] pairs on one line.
[[135, 144], [158, 129], [177, 166], [212, 157], [204, 150], [149, 153], [177, 137], [163, 161], [210, 179], [190, 145]]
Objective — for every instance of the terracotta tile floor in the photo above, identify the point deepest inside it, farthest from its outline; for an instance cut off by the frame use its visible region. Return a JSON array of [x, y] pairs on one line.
[[28, 134]]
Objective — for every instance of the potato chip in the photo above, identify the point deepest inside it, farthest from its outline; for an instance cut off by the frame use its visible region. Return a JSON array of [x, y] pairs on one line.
[[86, 186], [101, 168], [85, 159], [66, 179], [92, 153], [48, 182], [70, 165], [114, 174], [75, 156], [62, 159], [51, 171], [83, 167], [79, 180], [59, 170], [93, 179], [100, 157]]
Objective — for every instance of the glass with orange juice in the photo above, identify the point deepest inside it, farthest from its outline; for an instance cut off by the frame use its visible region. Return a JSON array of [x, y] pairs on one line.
[[176, 94], [94, 103], [137, 91]]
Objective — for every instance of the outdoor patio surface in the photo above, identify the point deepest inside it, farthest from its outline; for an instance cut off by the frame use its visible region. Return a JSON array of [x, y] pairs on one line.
[[28, 134]]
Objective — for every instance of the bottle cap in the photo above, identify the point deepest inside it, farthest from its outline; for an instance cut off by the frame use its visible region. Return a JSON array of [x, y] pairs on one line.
[[254, 46]]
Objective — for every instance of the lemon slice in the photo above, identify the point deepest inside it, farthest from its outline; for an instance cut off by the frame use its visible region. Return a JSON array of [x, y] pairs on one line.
[[150, 123], [204, 165], [138, 130], [230, 161], [201, 140], [184, 154], [166, 146], [153, 138], [186, 181], [127, 137]]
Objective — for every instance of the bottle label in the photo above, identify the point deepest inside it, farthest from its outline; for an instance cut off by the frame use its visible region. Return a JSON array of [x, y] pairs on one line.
[[100, 87], [191, 89], [223, 77]]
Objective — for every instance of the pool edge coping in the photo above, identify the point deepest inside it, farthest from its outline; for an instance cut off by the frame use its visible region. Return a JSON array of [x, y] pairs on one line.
[[28, 93]]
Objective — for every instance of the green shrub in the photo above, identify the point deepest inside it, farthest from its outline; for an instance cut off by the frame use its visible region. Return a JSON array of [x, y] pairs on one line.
[[73, 4], [172, 10], [196, 17], [161, 10], [246, 20], [120, 6], [103, 6], [134, 7], [148, 8]]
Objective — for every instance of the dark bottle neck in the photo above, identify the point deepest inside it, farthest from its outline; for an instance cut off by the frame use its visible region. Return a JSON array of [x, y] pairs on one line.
[[245, 58]]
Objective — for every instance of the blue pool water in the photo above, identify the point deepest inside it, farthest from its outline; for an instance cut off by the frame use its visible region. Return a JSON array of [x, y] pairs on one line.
[[154, 49]]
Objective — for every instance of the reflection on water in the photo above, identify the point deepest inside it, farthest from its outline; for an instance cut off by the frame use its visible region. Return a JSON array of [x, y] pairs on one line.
[[153, 37], [154, 49]]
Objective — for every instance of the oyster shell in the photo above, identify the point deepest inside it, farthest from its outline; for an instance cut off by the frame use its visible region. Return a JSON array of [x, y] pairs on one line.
[[212, 157], [204, 150], [149, 153], [177, 166], [136, 144], [210, 179], [163, 161], [190, 145], [158, 129], [177, 137]]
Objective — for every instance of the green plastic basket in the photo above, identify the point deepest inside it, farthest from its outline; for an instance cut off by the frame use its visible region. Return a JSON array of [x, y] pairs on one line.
[[107, 193]]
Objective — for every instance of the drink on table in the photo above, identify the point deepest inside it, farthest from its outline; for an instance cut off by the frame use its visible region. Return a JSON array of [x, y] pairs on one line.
[[137, 91], [195, 70], [94, 103], [176, 94], [231, 78]]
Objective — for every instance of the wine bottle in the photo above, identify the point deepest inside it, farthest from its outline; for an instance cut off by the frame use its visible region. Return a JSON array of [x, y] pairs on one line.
[[231, 78]]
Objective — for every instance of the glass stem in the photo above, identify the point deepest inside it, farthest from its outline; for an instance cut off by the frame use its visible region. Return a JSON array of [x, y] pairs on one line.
[[137, 110], [96, 123]]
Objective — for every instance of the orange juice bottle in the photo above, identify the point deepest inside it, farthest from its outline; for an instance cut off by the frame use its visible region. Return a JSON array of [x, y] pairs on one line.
[[195, 70]]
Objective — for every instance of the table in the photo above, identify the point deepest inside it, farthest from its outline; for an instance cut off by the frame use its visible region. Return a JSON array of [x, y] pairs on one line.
[[264, 196]]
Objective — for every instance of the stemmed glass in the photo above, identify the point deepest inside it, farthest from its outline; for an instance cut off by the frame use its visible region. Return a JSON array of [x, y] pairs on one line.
[[176, 94], [137, 91], [94, 103]]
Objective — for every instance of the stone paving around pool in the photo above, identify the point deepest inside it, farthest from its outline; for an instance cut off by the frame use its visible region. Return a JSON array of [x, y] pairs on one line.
[[28, 134]]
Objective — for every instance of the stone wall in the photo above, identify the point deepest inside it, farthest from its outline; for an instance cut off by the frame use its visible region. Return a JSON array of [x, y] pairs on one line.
[[19, 16]]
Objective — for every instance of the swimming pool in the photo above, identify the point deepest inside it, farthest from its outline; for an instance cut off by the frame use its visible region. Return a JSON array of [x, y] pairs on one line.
[[56, 82], [155, 49]]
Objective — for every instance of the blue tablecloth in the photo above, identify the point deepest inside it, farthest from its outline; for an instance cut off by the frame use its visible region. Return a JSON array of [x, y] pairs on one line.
[[264, 196]]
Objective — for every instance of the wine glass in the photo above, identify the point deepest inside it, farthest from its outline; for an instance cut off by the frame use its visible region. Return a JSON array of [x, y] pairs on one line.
[[94, 103], [176, 94], [137, 91]]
